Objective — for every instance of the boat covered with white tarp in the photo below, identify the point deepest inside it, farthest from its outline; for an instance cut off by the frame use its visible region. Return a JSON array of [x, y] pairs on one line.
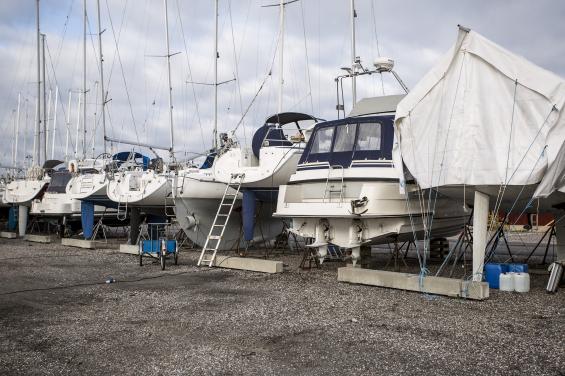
[[483, 118]]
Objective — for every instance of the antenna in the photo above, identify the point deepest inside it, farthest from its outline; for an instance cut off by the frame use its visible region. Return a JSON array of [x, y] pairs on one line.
[[353, 57]]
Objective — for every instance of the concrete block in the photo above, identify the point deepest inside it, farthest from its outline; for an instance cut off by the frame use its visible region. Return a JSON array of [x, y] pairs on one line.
[[79, 243], [8, 235], [129, 249], [46, 239], [404, 281], [251, 264]]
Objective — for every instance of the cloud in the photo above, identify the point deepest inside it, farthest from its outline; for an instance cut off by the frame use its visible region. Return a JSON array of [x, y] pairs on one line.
[[413, 33]]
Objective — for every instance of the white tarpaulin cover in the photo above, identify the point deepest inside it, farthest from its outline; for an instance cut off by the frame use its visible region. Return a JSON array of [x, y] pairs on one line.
[[481, 116]]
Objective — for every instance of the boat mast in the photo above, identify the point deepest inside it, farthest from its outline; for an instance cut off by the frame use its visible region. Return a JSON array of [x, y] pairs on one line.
[[169, 78], [44, 135], [36, 152], [84, 83], [54, 123], [216, 56], [101, 58], [281, 55], [353, 57], [17, 131], [68, 125]]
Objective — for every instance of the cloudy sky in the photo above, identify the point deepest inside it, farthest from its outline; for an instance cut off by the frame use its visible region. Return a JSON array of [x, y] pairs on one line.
[[317, 43]]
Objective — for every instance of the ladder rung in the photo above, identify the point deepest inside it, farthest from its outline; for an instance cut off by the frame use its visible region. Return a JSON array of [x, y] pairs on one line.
[[215, 237], [219, 225], [226, 204], [222, 215]]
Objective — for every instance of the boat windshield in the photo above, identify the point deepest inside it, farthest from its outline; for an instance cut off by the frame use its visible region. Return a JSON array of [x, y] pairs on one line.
[[342, 141], [59, 181]]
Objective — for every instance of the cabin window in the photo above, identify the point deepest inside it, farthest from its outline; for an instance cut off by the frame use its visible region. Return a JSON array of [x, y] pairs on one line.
[[322, 140], [369, 137], [345, 137]]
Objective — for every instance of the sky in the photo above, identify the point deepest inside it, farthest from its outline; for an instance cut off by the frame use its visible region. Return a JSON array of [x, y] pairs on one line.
[[317, 43]]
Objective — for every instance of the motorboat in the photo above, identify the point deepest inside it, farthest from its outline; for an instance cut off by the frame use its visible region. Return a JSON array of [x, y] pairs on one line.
[[346, 192]]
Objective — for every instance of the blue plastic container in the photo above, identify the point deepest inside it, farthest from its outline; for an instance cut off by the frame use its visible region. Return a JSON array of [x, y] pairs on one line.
[[518, 268], [492, 273]]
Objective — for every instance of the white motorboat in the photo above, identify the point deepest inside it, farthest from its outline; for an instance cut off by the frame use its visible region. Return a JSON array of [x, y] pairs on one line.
[[346, 191]]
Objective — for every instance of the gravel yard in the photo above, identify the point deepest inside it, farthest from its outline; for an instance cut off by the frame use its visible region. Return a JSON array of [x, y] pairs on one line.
[[58, 316]]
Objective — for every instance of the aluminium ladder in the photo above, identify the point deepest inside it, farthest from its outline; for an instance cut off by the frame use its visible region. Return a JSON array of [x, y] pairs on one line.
[[221, 220]]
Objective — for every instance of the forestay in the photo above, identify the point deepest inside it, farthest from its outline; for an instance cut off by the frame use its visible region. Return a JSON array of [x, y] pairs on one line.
[[481, 116]]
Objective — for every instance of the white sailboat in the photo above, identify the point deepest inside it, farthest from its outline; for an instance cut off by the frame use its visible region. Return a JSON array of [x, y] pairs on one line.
[[147, 189], [89, 181], [20, 192], [198, 192]]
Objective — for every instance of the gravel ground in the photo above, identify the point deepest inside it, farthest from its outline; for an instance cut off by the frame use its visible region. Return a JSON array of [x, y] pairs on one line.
[[58, 316]]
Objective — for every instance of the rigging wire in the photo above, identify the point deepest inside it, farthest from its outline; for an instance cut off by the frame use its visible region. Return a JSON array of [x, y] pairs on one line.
[[65, 25], [307, 58], [236, 72], [122, 68], [269, 74], [197, 108]]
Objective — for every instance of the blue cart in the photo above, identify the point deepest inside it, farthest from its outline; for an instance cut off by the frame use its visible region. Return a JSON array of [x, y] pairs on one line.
[[158, 246]]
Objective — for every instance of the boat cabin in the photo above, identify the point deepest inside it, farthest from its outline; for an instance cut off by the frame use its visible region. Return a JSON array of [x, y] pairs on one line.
[[340, 142]]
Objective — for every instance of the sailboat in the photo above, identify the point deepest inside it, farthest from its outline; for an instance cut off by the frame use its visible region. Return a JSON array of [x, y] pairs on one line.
[[89, 181], [147, 189], [21, 192], [272, 159], [199, 193]]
